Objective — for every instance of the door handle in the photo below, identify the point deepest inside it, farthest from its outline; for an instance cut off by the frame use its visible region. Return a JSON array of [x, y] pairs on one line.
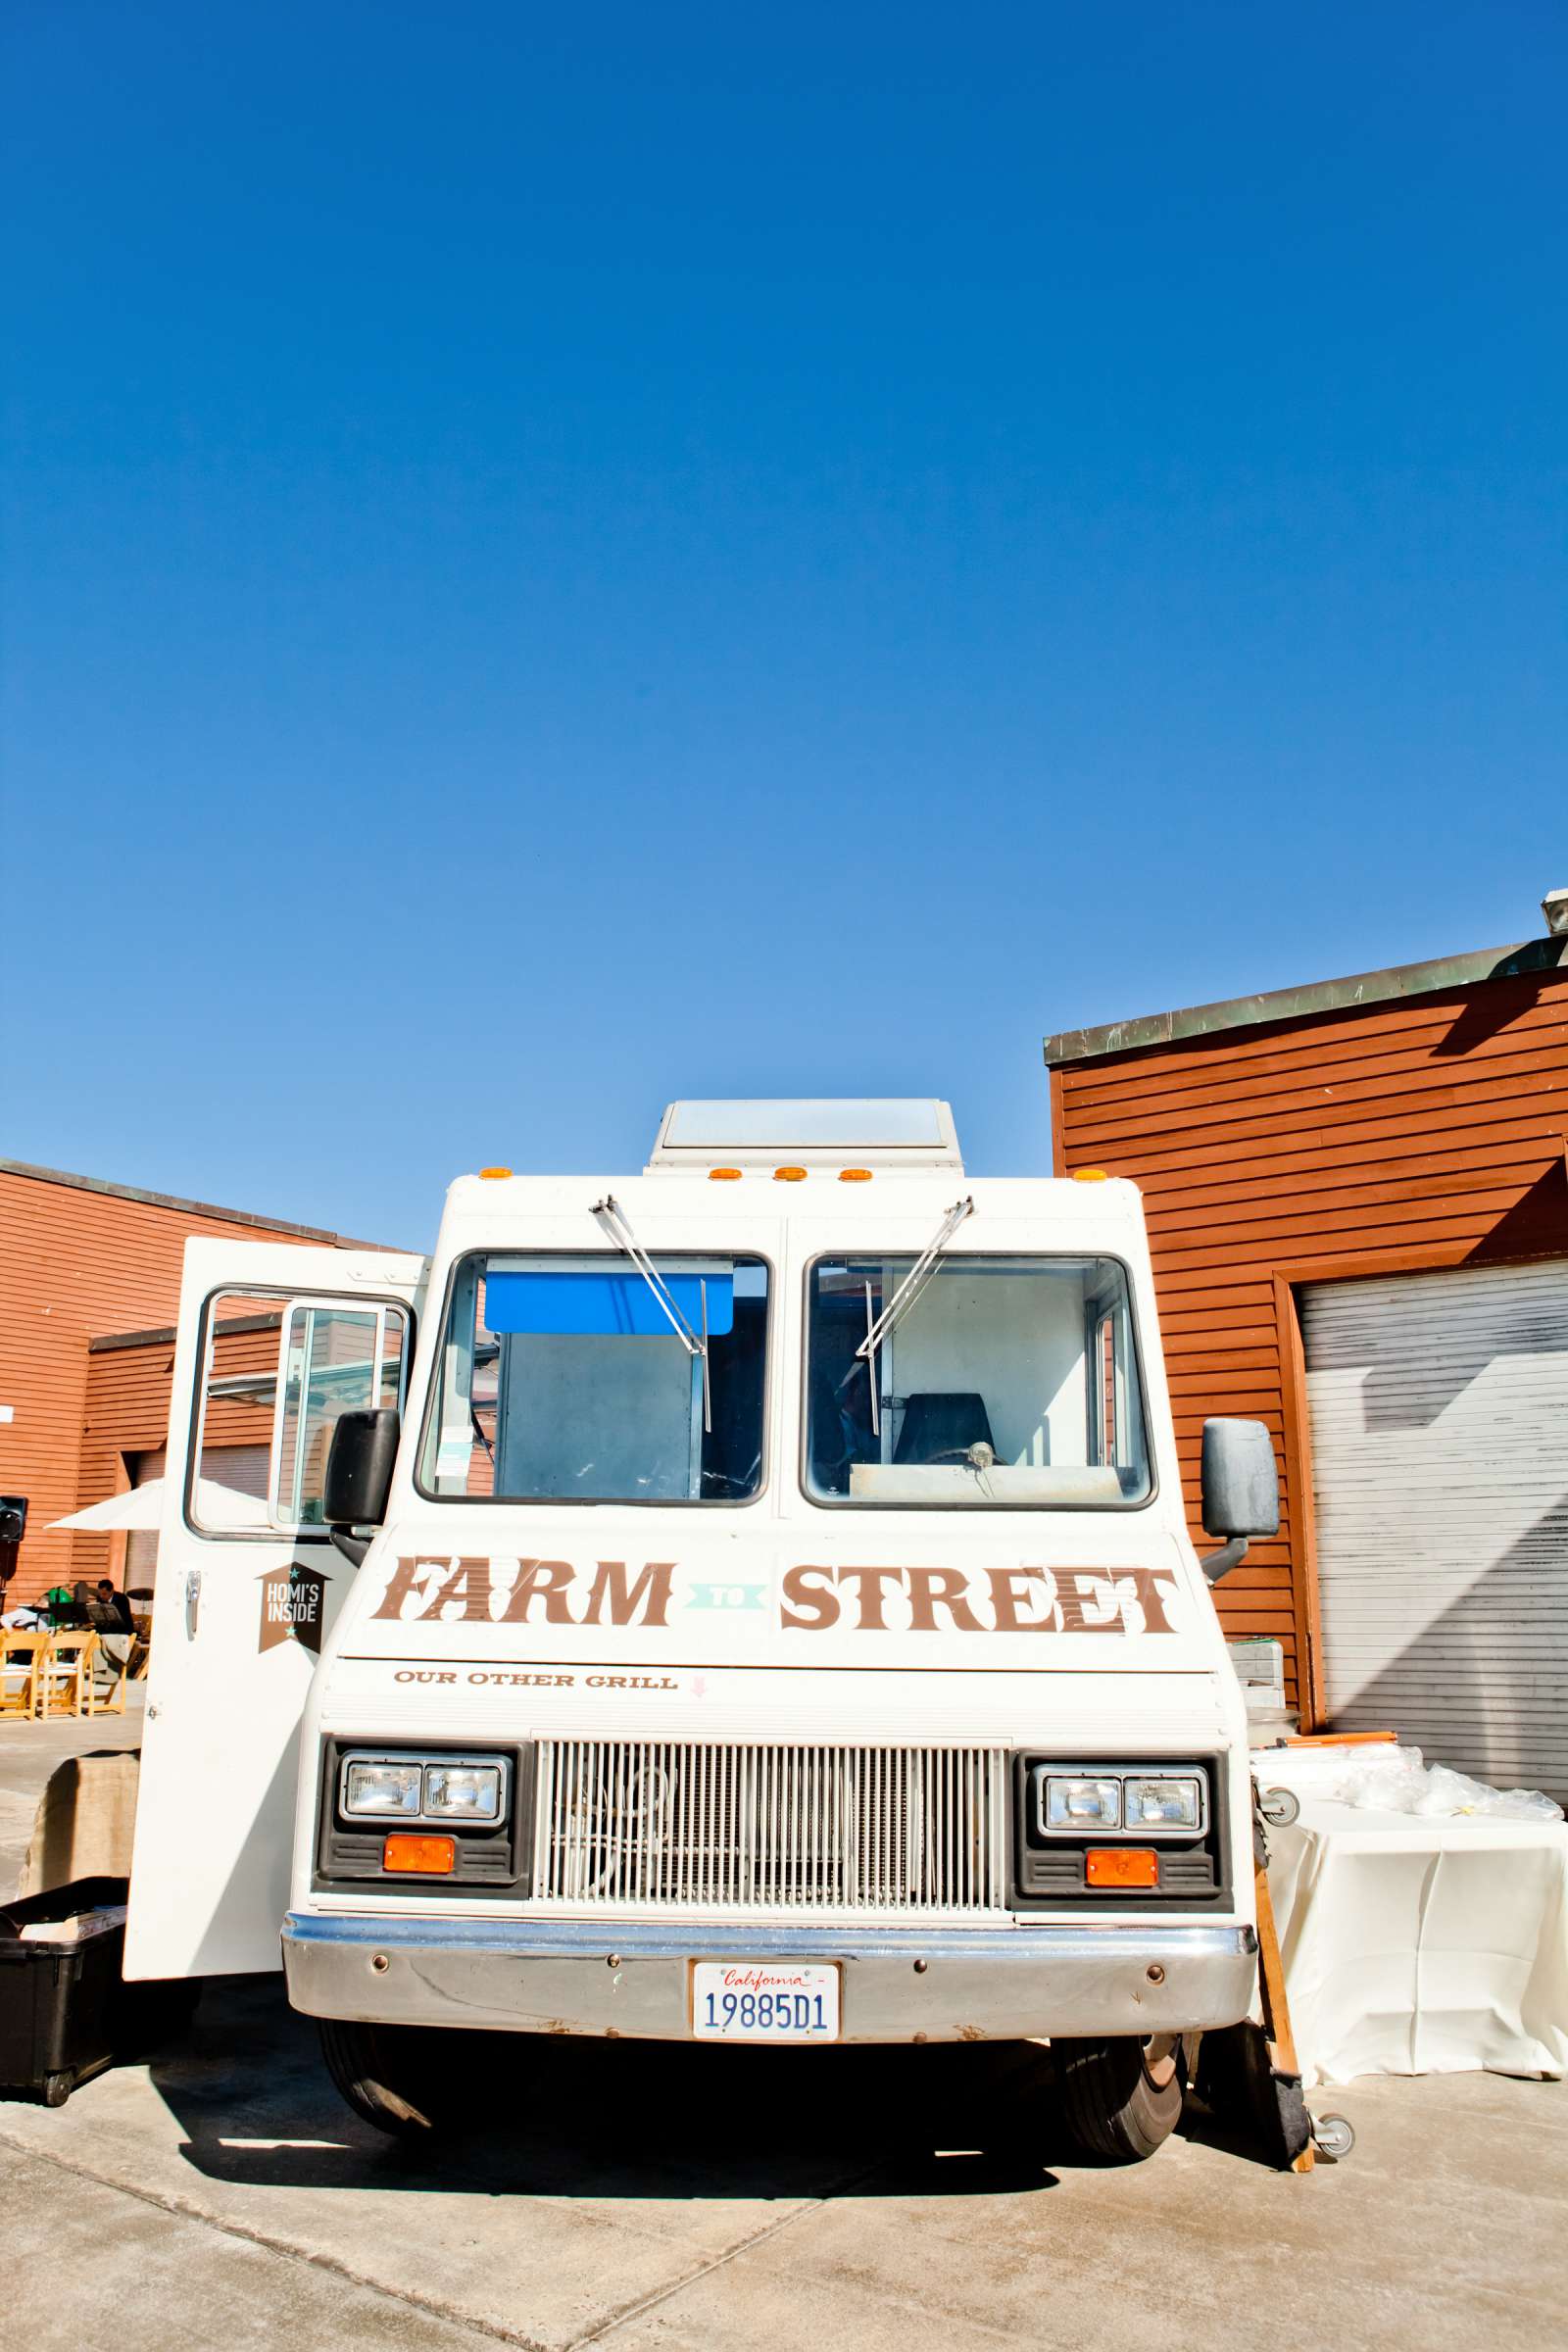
[[193, 1601]]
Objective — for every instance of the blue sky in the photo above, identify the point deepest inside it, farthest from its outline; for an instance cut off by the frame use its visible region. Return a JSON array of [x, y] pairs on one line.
[[560, 559]]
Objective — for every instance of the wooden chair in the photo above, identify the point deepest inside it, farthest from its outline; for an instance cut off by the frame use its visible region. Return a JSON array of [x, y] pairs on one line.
[[62, 1673], [142, 1625], [106, 1697], [20, 1656]]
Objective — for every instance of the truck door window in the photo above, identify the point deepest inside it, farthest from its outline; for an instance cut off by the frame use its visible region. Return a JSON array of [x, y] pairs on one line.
[[1011, 1382], [561, 1380], [334, 1357], [276, 1373]]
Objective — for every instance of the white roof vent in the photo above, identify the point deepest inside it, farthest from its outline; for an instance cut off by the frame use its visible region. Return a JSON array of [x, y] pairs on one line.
[[820, 1133]]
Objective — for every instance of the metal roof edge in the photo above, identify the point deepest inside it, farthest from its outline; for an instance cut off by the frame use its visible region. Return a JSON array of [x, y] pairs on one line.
[[164, 1335], [109, 1342], [197, 1208], [1296, 1004]]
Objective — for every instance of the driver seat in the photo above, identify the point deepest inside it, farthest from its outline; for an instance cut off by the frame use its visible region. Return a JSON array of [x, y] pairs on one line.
[[943, 1421]]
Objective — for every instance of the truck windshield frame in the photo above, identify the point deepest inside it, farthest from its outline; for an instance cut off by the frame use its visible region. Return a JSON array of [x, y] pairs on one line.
[[968, 1457], [623, 1355]]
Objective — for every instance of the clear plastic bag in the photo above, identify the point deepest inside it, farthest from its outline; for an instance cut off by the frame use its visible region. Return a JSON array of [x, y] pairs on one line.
[[1395, 1779], [1384, 1779], [1455, 1793]]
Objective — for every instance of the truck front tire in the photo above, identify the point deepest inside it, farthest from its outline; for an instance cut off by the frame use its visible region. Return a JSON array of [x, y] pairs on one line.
[[1122, 2098], [399, 2078]]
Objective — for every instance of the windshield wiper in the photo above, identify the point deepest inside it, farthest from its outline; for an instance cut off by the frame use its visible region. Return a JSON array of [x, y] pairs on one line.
[[908, 1291], [612, 1217]]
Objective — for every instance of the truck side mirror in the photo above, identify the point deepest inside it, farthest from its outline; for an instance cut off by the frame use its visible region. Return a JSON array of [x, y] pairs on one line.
[[1241, 1489], [359, 1475]]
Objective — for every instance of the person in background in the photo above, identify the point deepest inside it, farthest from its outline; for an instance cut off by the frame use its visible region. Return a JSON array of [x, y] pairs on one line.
[[115, 1634], [119, 1619]]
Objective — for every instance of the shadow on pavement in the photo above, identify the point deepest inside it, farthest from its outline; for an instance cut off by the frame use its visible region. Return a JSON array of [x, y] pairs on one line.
[[570, 2117], [1231, 2136]]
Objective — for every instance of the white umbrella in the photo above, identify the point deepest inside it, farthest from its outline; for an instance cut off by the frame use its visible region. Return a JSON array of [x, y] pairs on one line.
[[217, 1506], [137, 1506]]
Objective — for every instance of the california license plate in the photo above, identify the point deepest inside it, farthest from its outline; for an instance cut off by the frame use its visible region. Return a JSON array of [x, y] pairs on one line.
[[764, 2000]]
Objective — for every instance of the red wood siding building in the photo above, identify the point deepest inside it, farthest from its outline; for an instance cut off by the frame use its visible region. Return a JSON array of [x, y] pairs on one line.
[[80, 1258], [1398, 1123]]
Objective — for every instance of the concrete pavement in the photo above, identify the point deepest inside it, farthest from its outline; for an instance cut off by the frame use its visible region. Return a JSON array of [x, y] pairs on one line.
[[641, 2196]]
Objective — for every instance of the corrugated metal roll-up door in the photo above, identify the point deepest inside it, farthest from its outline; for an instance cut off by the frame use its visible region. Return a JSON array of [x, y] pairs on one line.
[[1439, 1408]]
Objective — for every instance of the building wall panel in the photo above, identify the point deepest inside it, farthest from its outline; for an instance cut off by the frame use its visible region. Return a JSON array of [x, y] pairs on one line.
[[1426, 1132], [76, 1260]]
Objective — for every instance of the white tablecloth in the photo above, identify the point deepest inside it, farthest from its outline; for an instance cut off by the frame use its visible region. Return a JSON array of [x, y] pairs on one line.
[[1415, 1946]]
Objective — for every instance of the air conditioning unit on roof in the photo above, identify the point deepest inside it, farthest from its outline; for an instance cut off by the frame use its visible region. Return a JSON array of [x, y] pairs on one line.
[[886, 1133]]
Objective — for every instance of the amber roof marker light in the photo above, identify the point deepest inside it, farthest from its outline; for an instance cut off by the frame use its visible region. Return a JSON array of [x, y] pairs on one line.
[[855, 1175], [723, 1175], [1090, 1176], [789, 1175], [489, 1175]]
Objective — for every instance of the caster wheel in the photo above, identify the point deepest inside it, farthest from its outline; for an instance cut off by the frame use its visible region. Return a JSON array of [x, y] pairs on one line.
[[57, 2088], [1332, 2137], [1278, 1807]]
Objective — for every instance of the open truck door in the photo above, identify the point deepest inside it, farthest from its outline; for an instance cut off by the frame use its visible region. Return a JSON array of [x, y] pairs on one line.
[[274, 1343]]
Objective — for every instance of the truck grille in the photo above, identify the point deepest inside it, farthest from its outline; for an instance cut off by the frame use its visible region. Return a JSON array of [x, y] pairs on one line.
[[749, 1828]]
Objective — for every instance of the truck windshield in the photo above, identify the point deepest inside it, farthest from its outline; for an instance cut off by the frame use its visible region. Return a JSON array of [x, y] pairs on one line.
[[563, 1380], [1008, 1382]]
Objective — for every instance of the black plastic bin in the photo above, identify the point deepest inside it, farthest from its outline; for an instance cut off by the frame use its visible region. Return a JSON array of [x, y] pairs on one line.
[[61, 2002]]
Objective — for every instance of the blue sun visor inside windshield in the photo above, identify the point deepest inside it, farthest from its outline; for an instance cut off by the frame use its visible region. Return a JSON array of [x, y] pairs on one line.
[[614, 1303]]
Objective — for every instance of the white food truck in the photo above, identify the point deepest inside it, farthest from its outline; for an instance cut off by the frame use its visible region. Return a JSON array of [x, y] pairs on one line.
[[749, 1601]]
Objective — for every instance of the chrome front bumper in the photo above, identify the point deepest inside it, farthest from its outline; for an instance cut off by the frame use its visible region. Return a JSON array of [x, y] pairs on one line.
[[900, 1984]]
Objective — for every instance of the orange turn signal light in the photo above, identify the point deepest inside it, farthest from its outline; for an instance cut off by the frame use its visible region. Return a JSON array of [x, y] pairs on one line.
[[855, 1175], [789, 1175], [431, 1857], [723, 1175], [1121, 1866]]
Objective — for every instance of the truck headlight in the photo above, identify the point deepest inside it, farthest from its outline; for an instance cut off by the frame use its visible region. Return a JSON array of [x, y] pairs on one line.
[[463, 1791], [450, 1789], [1081, 1804], [1163, 1804], [382, 1790]]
